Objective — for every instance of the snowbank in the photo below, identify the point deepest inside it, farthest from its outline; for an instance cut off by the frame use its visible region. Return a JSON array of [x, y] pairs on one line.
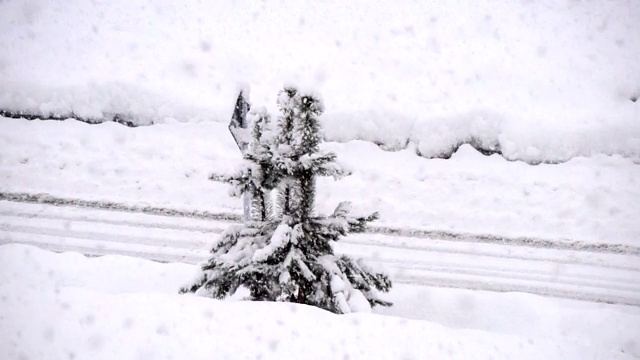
[[540, 81], [591, 199], [59, 306], [533, 142]]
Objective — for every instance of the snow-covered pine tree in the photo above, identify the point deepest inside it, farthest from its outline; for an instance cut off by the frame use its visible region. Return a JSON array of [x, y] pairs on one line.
[[290, 258], [257, 175], [220, 275], [264, 175], [314, 274], [287, 104]]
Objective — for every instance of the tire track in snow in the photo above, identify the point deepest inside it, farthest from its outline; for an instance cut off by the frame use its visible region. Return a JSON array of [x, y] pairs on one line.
[[437, 281], [579, 280], [581, 275], [562, 244], [435, 278], [116, 238], [431, 278], [215, 229]]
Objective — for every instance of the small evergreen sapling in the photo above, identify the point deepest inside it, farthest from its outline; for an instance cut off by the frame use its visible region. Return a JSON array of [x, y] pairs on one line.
[[257, 175], [285, 254], [230, 264]]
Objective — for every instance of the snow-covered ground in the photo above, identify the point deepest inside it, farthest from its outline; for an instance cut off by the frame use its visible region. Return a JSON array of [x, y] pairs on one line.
[[544, 80], [114, 307], [591, 199]]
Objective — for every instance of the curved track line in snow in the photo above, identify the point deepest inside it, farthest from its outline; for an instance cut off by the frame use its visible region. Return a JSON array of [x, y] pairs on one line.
[[109, 205], [563, 244], [509, 274], [14, 224], [538, 290], [428, 278], [46, 243], [156, 225], [483, 266], [461, 251], [117, 238], [404, 232], [356, 239]]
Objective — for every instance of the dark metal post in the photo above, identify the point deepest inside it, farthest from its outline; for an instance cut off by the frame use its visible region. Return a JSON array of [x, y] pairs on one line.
[[238, 129]]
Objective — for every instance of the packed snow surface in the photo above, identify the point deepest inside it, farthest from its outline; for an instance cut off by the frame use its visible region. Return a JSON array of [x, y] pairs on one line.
[[591, 199], [539, 80], [61, 306]]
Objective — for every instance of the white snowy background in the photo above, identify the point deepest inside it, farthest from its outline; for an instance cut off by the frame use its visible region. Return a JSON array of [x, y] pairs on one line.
[[546, 81]]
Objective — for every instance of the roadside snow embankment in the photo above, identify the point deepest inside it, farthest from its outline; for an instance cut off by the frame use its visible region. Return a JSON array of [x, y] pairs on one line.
[[59, 306], [588, 199], [538, 81]]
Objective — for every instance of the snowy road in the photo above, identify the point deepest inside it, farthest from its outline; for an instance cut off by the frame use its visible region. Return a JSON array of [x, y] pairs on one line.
[[604, 275]]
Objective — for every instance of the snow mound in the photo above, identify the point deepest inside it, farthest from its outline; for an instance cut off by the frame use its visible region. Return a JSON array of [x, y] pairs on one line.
[[53, 309]]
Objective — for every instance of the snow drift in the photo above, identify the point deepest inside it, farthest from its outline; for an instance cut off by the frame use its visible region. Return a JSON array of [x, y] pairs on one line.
[[60, 306]]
